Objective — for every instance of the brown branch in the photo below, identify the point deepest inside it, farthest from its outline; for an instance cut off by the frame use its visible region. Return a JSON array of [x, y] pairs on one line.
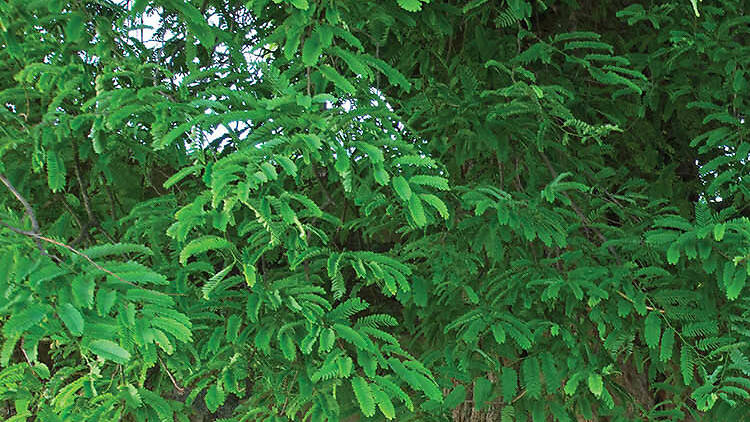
[[177, 387], [517, 179], [584, 220], [93, 221], [68, 247], [649, 308], [27, 208], [518, 397], [82, 189], [75, 251], [26, 356], [68, 208], [329, 200]]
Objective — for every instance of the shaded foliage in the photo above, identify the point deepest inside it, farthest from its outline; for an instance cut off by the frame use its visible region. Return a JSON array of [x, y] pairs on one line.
[[410, 210]]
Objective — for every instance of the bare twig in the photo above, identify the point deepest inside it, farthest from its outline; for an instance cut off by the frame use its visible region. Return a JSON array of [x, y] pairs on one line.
[[650, 308], [70, 210], [518, 397], [84, 195], [517, 180], [93, 221], [26, 356], [584, 220], [177, 387], [75, 251], [27, 208], [68, 247], [329, 200], [308, 82]]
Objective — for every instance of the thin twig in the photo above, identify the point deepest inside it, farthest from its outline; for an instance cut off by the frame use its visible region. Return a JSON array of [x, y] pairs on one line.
[[517, 179], [308, 82], [26, 356], [93, 221], [70, 210], [27, 207], [518, 397], [329, 200], [75, 251], [649, 308], [177, 387], [84, 196], [68, 247], [586, 223]]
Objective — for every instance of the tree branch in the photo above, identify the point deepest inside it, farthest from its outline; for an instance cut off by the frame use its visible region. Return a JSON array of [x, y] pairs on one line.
[[177, 387], [584, 220], [93, 221], [37, 236], [27, 208]]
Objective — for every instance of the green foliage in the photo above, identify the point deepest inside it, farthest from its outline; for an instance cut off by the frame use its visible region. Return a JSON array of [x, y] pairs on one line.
[[403, 210]]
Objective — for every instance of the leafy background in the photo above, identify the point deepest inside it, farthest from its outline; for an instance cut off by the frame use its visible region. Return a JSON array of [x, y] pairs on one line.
[[345, 210]]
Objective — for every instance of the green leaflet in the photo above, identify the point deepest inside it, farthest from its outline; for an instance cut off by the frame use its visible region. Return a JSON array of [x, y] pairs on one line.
[[180, 175], [652, 329], [312, 49], [215, 397], [339, 81], [416, 210], [203, 244], [352, 60], [351, 336], [667, 345], [384, 402], [287, 346], [150, 296], [401, 187], [327, 338], [22, 321], [55, 171], [509, 383], [215, 280], [287, 164], [428, 386], [363, 393], [455, 397], [157, 403], [300, 4], [72, 318], [482, 392], [531, 376], [83, 291], [737, 283], [179, 330], [596, 384], [433, 181], [74, 29], [109, 350], [411, 5], [132, 396], [687, 364], [233, 328]]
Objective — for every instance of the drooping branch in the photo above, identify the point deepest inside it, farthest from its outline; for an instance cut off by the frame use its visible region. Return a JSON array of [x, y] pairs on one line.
[[584, 220], [177, 387], [92, 220], [28, 209], [39, 238]]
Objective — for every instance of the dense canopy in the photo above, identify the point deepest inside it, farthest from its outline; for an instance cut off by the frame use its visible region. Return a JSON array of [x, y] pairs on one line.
[[343, 210]]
